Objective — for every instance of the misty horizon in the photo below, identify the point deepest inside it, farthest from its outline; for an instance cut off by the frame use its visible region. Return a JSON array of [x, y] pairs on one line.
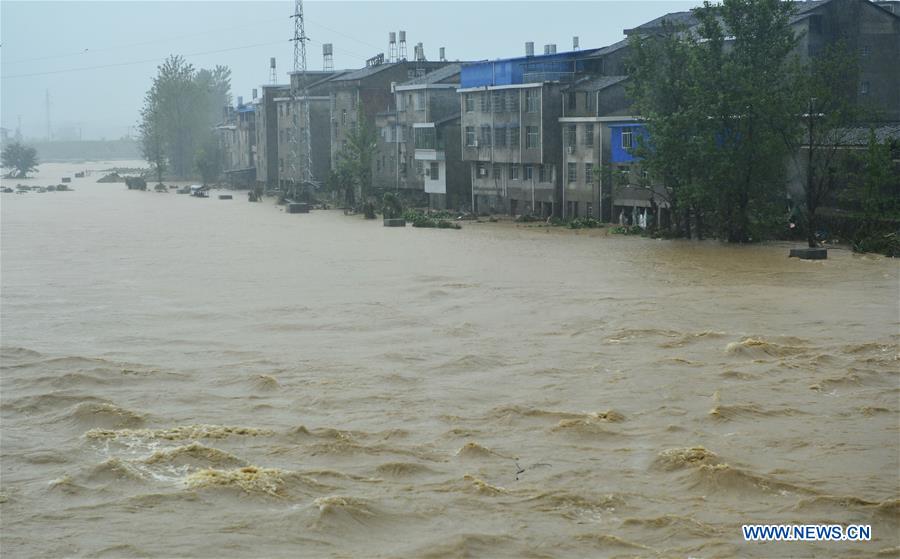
[[96, 78]]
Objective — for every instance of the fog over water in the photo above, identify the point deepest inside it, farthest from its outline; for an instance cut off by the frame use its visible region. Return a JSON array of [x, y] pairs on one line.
[[211, 378]]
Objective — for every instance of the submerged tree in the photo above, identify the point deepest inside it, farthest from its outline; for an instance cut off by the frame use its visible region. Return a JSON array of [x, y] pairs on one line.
[[713, 97], [19, 159], [208, 160], [356, 159], [181, 107]]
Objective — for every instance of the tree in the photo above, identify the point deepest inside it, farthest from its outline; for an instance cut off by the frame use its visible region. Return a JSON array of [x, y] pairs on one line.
[[355, 161], [824, 114], [208, 160], [712, 97], [19, 159], [153, 141], [180, 108]]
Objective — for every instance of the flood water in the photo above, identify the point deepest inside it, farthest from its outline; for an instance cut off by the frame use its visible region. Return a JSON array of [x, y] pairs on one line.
[[209, 378]]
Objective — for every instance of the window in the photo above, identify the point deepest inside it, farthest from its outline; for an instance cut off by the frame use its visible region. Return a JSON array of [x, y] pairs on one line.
[[486, 101], [589, 209], [531, 137], [514, 137], [572, 101], [499, 101], [589, 173], [485, 136], [529, 172], [480, 169], [470, 136], [420, 168], [589, 134], [572, 174], [588, 101], [470, 102], [866, 50], [627, 140], [401, 102], [435, 171], [864, 88], [420, 101], [378, 164], [532, 100], [500, 137], [513, 172], [542, 173], [498, 171], [512, 101], [344, 116], [570, 135]]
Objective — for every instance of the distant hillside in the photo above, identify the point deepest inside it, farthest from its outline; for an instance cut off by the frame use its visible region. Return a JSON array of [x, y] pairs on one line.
[[86, 150]]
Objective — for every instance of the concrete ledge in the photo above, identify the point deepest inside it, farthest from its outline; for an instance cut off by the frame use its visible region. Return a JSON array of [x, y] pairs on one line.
[[398, 222], [224, 196], [296, 208], [809, 253]]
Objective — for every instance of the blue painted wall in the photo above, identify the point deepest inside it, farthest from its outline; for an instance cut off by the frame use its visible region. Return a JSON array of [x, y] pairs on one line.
[[510, 71], [620, 154]]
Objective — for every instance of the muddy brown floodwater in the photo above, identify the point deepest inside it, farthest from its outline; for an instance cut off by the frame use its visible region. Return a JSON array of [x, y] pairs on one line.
[[205, 378]]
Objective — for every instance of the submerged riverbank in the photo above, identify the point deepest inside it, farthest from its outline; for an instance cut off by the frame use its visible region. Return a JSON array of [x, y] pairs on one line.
[[204, 377]]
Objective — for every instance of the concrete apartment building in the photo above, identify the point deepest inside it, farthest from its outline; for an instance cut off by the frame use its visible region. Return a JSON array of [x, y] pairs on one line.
[[364, 93], [292, 153], [266, 116], [510, 131], [418, 151], [237, 135], [870, 29]]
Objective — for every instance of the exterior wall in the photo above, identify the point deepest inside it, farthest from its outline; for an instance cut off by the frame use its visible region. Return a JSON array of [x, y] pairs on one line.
[[319, 118], [581, 196], [370, 95]]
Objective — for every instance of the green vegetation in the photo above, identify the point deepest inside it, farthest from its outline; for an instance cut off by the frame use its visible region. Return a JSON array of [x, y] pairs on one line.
[[352, 179], [19, 159], [727, 107], [179, 113], [391, 207], [434, 220]]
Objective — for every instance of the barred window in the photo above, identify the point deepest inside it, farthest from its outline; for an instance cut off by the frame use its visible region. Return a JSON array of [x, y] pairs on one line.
[[514, 137], [589, 134], [532, 100], [513, 172], [531, 137], [499, 101], [470, 102], [570, 137], [512, 101], [572, 173], [500, 137], [542, 173], [627, 138], [435, 171], [485, 102], [589, 173], [529, 172], [485, 136], [470, 136]]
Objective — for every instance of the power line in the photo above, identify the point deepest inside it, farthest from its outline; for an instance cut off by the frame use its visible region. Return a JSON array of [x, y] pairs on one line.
[[134, 62], [143, 43]]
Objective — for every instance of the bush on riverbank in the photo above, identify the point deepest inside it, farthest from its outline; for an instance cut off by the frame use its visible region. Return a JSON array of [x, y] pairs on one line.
[[434, 220]]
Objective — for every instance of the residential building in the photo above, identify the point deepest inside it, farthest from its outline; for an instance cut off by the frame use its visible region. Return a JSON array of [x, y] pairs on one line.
[[418, 151], [363, 93], [510, 130], [237, 135]]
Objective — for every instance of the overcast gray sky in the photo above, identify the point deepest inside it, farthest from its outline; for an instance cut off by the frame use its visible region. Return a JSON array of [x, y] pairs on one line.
[[97, 59]]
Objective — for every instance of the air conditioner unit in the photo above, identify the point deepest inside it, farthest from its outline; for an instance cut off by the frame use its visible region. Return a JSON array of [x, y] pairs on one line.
[[482, 172]]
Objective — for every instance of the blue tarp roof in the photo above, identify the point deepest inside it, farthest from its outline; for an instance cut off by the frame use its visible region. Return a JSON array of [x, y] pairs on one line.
[[510, 71]]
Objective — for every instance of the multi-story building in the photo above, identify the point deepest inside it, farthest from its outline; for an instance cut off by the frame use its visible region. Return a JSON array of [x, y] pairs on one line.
[[293, 153], [418, 151], [237, 135], [510, 130], [362, 94], [267, 157], [870, 29]]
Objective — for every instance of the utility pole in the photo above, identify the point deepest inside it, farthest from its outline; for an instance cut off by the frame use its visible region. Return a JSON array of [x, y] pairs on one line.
[[301, 167]]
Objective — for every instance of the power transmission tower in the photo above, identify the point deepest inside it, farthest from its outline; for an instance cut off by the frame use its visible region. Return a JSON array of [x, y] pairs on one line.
[[301, 167]]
